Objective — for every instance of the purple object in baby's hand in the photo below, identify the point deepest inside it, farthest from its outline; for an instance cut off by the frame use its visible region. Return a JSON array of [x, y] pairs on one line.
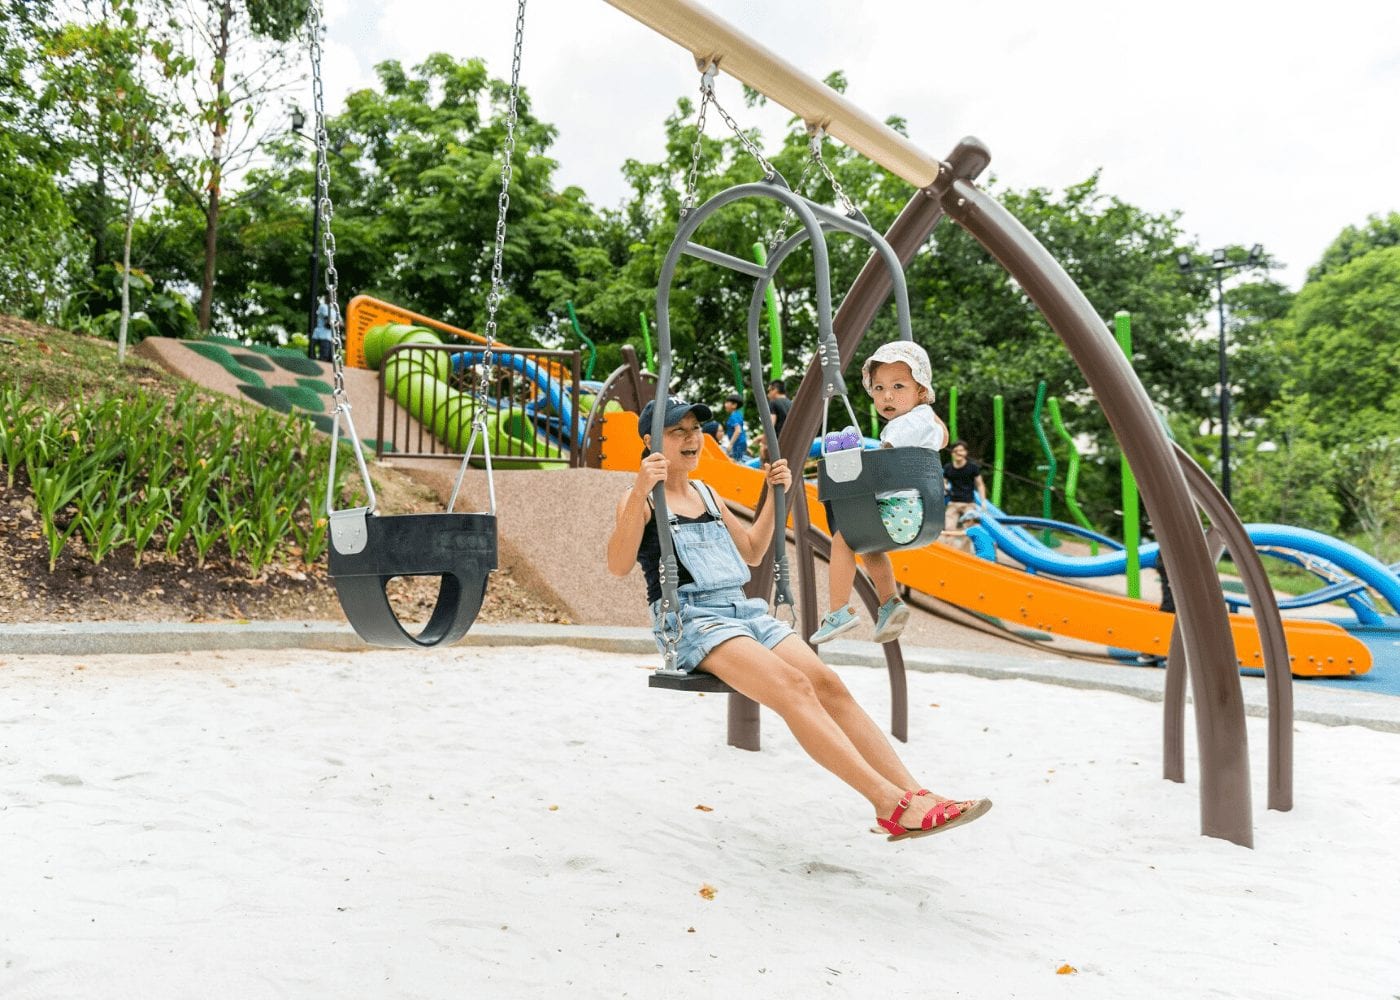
[[841, 440]]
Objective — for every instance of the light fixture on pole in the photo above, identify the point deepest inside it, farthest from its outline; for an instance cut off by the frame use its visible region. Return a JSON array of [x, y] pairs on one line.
[[1221, 264]]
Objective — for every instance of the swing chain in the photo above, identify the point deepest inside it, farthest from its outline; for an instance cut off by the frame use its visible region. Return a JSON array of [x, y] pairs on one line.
[[325, 210], [707, 98], [782, 234], [815, 135], [692, 180], [493, 298]]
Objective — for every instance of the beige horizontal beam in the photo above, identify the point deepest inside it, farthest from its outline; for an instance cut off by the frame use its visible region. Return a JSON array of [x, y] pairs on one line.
[[710, 39]]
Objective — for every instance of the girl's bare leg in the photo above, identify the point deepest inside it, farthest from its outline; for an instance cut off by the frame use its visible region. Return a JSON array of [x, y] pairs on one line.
[[864, 761]]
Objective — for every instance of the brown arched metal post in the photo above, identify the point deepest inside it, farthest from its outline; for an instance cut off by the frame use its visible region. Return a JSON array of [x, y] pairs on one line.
[[1228, 534], [1201, 614]]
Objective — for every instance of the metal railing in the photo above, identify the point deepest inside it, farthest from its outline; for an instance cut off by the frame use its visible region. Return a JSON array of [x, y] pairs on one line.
[[533, 415]]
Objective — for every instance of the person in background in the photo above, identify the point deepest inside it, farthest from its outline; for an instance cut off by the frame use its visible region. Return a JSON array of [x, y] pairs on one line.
[[965, 490], [778, 405], [321, 346], [736, 438], [711, 428]]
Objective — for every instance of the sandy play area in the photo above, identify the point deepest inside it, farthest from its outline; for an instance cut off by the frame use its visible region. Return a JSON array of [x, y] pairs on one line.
[[521, 823]]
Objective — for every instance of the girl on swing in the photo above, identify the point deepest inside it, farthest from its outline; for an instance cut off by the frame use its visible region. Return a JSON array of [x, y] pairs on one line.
[[727, 634]]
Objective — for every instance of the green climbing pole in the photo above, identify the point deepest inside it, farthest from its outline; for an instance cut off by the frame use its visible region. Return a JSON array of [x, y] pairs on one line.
[[1071, 471], [1132, 532], [775, 330], [952, 414], [999, 444], [738, 373], [650, 356], [1046, 535], [592, 348]]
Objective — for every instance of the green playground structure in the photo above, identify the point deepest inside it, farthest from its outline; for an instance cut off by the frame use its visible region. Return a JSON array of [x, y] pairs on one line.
[[420, 382]]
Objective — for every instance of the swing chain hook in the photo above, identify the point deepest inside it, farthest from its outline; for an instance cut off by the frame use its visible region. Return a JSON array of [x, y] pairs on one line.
[[815, 136]]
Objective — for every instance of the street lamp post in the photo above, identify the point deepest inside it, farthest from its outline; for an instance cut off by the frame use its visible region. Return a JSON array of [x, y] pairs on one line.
[[1220, 264], [299, 120]]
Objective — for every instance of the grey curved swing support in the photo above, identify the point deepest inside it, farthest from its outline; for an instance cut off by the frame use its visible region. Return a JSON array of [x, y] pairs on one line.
[[1206, 642], [808, 214]]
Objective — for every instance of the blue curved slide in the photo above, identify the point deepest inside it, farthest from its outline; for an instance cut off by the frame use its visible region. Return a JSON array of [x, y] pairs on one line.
[[1022, 546]]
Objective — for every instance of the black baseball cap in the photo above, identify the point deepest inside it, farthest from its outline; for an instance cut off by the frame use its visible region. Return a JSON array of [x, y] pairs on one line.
[[676, 409]]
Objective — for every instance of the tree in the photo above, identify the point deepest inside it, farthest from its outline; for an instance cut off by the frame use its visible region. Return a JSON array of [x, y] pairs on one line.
[[415, 174], [102, 74], [1352, 242], [37, 240], [1341, 341], [225, 33]]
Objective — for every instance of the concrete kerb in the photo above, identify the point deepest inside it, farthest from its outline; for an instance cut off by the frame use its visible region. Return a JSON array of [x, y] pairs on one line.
[[1328, 706]]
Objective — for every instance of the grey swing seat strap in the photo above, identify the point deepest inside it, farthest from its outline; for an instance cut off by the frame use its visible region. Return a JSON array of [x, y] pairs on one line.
[[850, 481]]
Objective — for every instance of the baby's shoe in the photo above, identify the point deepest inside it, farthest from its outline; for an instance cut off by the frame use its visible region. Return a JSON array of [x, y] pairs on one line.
[[850, 438], [890, 622], [832, 442], [835, 623]]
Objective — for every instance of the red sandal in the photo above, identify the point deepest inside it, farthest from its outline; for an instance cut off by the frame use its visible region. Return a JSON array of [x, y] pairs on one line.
[[942, 816]]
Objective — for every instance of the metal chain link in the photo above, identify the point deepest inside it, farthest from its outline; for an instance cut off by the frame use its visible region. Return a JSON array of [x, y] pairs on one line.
[[814, 146], [788, 214], [769, 171], [692, 179], [707, 98], [324, 208], [493, 298]]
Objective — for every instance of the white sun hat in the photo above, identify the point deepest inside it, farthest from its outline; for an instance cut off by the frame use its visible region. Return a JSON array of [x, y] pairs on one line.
[[901, 350]]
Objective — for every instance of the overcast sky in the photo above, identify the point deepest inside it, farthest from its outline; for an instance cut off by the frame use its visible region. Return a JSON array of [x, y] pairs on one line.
[[1262, 122]]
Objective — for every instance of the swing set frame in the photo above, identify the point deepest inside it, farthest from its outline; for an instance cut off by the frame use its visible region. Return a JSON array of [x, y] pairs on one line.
[[1202, 645]]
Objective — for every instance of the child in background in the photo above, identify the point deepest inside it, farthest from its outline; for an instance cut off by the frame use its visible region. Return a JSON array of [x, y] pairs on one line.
[[899, 377], [736, 438]]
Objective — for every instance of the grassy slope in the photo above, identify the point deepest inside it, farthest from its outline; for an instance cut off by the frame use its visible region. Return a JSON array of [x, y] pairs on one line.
[[59, 365]]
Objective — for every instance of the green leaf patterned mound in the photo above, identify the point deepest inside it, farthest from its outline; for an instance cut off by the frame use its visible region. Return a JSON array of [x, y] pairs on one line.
[[316, 385], [297, 364], [268, 397], [302, 398], [253, 361], [221, 357], [323, 422]]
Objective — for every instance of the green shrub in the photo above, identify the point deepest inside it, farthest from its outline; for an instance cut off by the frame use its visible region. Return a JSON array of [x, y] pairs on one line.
[[180, 476]]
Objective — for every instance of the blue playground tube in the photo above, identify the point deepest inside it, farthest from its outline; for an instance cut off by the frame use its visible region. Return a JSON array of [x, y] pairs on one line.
[[1026, 549], [996, 529], [552, 388]]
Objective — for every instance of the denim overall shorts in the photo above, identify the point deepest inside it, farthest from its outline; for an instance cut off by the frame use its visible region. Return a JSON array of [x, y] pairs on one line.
[[714, 608]]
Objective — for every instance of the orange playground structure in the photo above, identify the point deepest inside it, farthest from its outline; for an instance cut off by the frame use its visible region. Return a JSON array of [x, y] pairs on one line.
[[1316, 648]]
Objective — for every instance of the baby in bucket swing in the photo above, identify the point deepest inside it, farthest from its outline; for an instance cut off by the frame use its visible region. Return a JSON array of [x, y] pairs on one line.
[[899, 378]]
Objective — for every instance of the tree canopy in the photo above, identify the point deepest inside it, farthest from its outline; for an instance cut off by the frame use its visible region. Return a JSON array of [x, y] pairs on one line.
[[414, 164]]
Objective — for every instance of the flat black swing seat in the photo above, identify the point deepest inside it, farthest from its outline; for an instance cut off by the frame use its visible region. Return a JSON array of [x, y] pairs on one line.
[[369, 550], [853, 504], [699, 681]]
